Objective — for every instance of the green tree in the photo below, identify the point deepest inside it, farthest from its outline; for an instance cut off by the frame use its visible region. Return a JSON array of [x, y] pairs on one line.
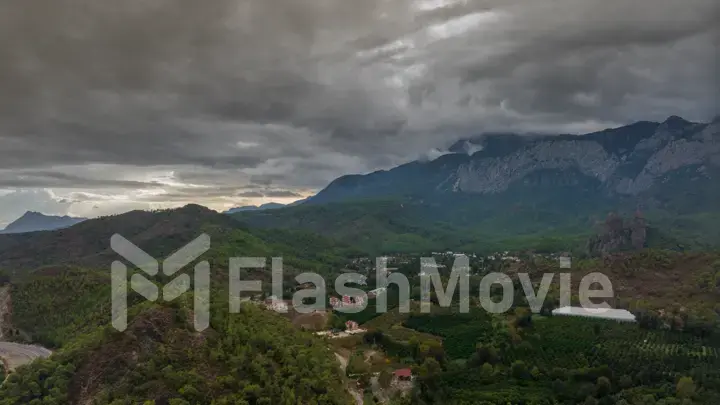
[[626, 382], [385, 379], [484, 354], [519, 370], [648, 399], [603, 387], [487, 371], [590, 401], [685, 388], [357, 365]]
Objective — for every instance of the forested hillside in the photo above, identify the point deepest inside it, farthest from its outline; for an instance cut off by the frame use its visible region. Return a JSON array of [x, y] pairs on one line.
[[258, 357], [494, 223], [160, 233], [61, 292], [253, 357]]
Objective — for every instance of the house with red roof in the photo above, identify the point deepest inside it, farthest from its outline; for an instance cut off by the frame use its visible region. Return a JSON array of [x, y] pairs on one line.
[[403, 374]]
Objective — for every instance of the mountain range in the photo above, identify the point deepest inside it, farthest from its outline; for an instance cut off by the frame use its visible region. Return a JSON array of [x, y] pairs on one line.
[[60, 287], [34, 221], [498, 189], [633, 161], [262, 207], [268, 206]]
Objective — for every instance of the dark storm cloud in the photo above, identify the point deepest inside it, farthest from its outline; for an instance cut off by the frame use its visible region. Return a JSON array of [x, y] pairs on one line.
[[291, 93], [47, 179]]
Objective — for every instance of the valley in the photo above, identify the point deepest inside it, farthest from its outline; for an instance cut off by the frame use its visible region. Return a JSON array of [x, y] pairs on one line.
[[452, 357], [659, 253], [359, 202]]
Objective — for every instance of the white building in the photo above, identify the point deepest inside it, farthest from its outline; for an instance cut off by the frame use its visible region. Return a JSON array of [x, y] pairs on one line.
[[619, 315], [274, 304], [279, 306]]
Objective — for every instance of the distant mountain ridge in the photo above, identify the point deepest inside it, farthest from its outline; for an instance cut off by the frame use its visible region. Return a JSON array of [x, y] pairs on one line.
[[160, 233], [536, 190], [629, 161], [88, 243], [34, 221], [267, 206]]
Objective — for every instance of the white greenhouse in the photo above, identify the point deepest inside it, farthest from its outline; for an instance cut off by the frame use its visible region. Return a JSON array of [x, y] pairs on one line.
[[619, 315]]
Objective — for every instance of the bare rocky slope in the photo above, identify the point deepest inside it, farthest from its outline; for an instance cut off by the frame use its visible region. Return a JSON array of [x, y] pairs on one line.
[[625, 161]]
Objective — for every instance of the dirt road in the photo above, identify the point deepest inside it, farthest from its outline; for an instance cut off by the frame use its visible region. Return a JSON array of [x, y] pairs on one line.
[[343, 361], [16, 355], [359, 400]]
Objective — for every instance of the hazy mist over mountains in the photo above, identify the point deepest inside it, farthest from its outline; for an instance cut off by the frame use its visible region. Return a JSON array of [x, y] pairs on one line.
[[140, 107], [633, 163]]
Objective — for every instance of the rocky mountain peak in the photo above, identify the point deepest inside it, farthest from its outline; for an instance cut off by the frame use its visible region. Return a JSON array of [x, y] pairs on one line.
[[33, 221], [627, 161]]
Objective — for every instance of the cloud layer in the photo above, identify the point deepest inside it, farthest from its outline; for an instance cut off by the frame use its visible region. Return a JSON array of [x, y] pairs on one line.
[[227, 100]]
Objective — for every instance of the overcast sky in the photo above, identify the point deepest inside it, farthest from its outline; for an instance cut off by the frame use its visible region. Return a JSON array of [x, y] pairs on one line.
[[107, 106]]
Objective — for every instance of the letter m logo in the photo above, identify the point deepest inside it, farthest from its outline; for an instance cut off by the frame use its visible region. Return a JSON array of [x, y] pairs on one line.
[[148, 265]]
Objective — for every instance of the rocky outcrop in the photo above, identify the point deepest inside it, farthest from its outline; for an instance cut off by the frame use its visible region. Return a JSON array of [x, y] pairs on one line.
[[702, 148], [670, 149], [625, 162], [492, 175], [618, 235]]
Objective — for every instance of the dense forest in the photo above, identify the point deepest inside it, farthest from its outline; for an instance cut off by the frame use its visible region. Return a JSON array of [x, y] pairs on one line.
[[423, 224], [670, 356], [251, 357], [532, 359]]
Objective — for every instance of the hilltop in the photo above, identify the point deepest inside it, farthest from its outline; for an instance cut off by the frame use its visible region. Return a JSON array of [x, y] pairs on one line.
[[161, 358], [160, 233], [34, 221], [60, 286]]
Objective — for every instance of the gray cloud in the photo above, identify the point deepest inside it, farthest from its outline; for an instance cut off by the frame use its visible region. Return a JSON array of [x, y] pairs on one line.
[[269, 193], [282, 194], [251, 194], [239, 95], [49, 179]]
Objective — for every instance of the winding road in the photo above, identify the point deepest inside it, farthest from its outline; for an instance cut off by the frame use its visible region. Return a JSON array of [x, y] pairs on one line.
[[358, 396], [15, 355]]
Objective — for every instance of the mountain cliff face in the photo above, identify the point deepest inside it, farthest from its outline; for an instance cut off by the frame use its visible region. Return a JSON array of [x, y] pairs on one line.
[[634, 161], [619, 235], [35, 221]]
